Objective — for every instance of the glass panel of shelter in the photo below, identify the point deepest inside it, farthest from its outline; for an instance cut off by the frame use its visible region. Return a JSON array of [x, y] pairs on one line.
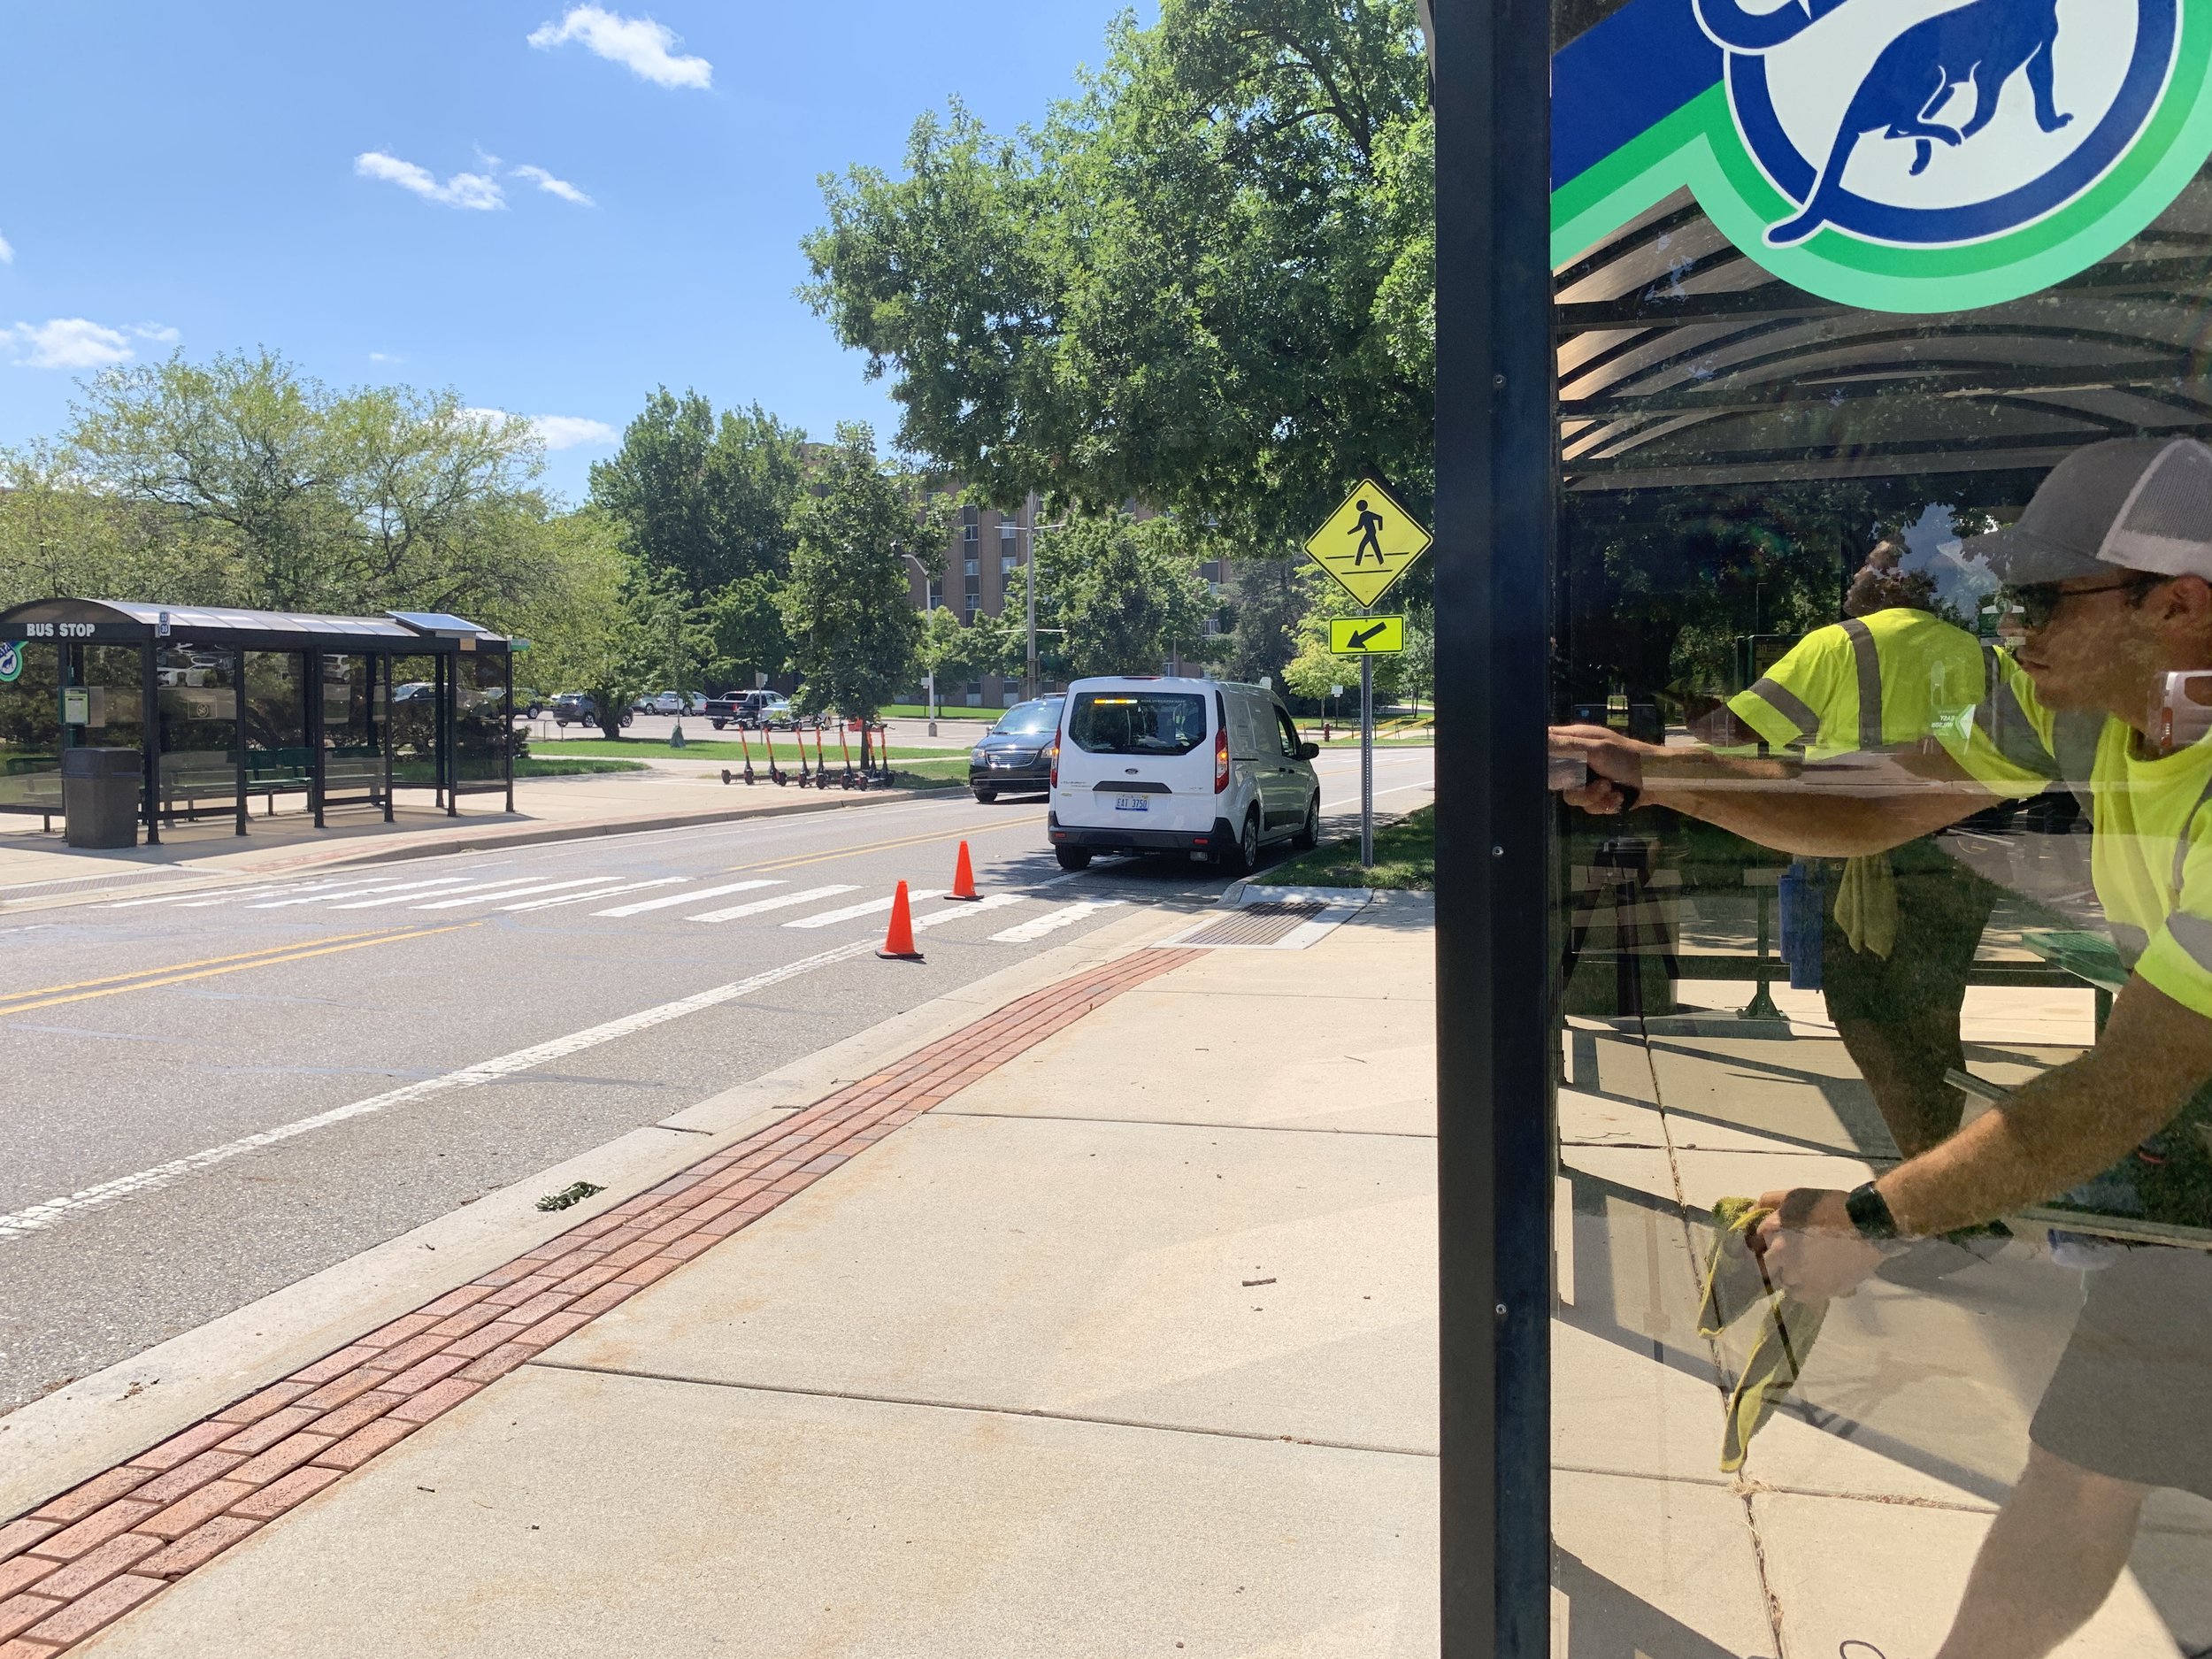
[[1882, 848], [31, 732]]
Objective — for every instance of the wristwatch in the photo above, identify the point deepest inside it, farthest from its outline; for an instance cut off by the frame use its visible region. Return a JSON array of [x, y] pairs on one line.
[[1870, 1213]]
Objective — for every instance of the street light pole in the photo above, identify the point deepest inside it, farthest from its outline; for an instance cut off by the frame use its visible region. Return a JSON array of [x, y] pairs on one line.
[[929, 610]]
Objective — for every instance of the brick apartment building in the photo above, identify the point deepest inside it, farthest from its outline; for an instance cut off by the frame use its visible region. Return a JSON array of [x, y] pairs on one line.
[[985, 573]]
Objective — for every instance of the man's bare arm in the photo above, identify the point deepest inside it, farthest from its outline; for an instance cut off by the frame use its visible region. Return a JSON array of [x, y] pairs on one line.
[[1761, 801], [2067, 1126]]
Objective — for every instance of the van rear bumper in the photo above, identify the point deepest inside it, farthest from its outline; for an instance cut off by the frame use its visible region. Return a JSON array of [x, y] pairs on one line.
[[1115, 838]]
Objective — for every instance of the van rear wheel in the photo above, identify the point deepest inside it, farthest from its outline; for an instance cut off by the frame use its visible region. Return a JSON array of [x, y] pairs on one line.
[[1072, 857], [1244, 858], [1308, 836]]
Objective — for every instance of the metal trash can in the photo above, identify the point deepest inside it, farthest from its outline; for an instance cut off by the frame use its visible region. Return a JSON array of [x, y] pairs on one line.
[[99, 796]]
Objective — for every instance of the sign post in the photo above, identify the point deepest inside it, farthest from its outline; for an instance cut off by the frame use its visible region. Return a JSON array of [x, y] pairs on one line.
[[1366, 545]]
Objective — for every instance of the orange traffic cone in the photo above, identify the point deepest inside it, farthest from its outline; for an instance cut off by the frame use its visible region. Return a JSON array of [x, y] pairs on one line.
[[898, 940], [964, 878]]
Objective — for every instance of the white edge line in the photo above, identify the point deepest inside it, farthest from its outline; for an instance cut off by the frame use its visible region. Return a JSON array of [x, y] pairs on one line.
[[41, 1217]]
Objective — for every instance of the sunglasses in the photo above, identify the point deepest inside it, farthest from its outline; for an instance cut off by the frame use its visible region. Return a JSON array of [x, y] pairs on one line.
[[2039, 602]]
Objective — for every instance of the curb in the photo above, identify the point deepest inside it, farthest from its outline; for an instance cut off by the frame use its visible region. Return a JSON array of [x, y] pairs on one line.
[[66, 1437]]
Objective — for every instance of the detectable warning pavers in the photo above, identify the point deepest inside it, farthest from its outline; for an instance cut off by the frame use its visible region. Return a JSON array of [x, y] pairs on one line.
[[81, 1560]]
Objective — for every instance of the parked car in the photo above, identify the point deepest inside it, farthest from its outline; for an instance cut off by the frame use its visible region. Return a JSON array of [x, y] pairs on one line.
[[577, 708], [1015, 755], [528, 703], [662, 702], [1207, 768], [750, 710]]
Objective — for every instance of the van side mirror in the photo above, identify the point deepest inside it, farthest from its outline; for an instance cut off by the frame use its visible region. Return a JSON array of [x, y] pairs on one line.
[[1309, 751]]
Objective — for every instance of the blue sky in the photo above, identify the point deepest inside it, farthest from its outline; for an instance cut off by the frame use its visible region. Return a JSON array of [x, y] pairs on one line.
[[552, 208]]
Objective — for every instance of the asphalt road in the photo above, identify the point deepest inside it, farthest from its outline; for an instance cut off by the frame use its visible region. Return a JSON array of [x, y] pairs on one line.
[[205, 1098]]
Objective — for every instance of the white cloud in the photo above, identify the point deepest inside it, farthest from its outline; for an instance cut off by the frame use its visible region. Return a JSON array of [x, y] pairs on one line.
[[72, 342], [386, 357], [7, 253], [639, 44], [463, 189], [552, 186], [557, 432]]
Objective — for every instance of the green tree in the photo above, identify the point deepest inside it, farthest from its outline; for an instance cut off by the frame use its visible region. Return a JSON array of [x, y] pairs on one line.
[[1127, 592], [1205, 282], [586, 622], [956, 651], [309, 499], [707, 500], [59, 538], [856, 636]]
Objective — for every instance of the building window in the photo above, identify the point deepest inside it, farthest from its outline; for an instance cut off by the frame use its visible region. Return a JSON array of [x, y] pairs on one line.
[[1006, 532], [967, 533], [1008, 563], [974, 566]]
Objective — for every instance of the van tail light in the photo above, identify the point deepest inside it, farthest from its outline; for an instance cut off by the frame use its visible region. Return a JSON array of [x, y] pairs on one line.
[[1221, 761], [1055, 761]]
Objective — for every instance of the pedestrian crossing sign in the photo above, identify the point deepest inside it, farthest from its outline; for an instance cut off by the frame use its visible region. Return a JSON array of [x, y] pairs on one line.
[[1369, 543]]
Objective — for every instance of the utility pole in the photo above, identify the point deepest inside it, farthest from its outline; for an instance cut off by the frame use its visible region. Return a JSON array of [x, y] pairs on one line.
[[929, 611]]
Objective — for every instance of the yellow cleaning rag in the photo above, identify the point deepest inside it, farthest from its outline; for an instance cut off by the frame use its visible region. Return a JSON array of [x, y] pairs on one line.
[[1866, 904], [1735, 1283]]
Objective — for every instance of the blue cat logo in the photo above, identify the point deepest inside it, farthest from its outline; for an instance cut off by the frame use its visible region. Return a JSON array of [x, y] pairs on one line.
[[1983, 53]]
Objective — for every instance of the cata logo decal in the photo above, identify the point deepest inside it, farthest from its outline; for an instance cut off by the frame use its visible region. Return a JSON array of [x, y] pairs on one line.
[[1916, 155], [11, 662]]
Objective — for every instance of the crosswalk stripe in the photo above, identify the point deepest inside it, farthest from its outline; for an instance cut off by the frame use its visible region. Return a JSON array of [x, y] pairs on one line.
[[954, 912], [870, 908], [484, 889], [513, 892], [318, 888], [381, 886], [1051, 921], [586, 898], [644, 905], [781, 902], [200, 892]]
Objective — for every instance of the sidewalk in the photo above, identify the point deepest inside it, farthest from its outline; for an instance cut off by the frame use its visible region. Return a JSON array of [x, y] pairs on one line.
[[36, 866], [1102, 1326]]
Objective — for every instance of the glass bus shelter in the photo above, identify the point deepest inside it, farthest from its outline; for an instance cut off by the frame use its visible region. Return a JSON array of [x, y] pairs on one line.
[[224, 705], [1909, 885]]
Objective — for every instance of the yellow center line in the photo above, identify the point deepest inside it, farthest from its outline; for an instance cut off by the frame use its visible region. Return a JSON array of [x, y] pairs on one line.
[[235, 967], [888, 846], [174, 967]]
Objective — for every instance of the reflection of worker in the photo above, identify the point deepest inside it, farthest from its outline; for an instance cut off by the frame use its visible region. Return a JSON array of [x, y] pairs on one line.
[[1369, 531], [1898, 939], [2113, 566]]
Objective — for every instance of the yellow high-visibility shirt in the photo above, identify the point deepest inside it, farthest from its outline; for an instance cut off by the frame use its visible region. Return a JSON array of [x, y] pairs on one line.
[[1873, 682]]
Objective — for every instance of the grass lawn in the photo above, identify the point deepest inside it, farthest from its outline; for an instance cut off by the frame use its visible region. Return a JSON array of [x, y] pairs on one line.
[[915, 711], [726, 748], [1405, 858]]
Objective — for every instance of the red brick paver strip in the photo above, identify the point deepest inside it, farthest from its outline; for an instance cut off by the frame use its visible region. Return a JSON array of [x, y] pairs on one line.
[[84, 1558]]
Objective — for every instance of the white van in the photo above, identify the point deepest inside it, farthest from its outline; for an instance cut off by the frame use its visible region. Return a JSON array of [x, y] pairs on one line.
[[1205, 767]]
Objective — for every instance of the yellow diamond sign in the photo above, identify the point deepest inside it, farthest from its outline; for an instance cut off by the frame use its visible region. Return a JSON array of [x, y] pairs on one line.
[[1369, 543]]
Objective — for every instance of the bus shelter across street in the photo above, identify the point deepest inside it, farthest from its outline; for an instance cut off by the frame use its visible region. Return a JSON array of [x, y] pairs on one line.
[[223, 705]]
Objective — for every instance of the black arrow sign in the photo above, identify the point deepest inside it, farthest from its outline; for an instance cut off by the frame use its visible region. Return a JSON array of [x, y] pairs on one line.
[[1366, 635]]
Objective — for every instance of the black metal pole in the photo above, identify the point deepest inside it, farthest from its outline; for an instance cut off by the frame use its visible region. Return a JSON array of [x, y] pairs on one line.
[[150, 738], [507, 726], [312, 720], [387, 660], [1496, 479], [238, 660], [447, 729]]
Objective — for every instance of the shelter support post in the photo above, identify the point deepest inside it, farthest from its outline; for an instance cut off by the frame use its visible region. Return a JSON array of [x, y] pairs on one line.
[[448, 727], [385, 705], [238, 665], [507, 726], [312, 689], [150, 738], [1495, 467]]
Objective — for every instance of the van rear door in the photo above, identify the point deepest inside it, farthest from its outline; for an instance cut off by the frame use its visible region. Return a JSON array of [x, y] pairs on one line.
[[1137, 757]]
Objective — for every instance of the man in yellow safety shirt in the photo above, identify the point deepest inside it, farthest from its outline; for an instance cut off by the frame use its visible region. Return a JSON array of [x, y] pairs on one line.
[[1902, 927], [2112, 567]]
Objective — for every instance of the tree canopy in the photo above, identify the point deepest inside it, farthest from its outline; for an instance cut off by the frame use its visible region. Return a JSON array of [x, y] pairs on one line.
[[1205, 282], [1125, 592]]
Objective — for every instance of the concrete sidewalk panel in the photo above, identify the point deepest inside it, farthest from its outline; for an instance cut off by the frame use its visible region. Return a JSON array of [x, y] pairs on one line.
[[1656, 1568], [1803, 1090], [1890, 1576], [1171, 1053], [565, 1516], [1096, 1269]]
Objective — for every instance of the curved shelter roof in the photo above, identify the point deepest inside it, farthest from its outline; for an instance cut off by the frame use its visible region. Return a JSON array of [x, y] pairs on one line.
[[122, 620], [1682, 362]]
